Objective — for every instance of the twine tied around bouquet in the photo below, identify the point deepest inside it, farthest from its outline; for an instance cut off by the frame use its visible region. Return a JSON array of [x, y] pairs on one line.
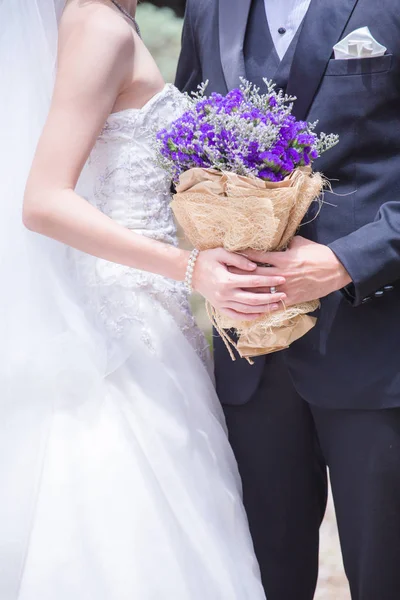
[[217, 209]]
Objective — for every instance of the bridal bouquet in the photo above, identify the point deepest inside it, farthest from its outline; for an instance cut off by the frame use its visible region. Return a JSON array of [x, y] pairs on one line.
[[241, 164]]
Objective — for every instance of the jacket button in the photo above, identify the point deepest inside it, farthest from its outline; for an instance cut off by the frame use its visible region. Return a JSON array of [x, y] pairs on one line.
[[379, 294], [388, 288], [366, 300]]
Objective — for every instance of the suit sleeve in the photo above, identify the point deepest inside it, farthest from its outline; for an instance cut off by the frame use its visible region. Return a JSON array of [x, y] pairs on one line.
[[189, 73], [371, 254]]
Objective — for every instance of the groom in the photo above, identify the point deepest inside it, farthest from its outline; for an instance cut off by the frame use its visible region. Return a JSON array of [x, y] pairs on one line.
[[333, 399]]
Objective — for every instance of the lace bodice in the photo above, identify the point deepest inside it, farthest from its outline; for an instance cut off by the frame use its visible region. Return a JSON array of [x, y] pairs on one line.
[[127, 185]]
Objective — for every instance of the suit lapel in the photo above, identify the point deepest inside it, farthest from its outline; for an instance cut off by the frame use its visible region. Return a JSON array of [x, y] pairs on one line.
[[233, 16], [322, 29]]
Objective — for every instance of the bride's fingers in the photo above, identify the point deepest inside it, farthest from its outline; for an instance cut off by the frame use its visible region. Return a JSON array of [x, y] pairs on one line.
[[238, 316], [260, 290], [256, 281], [236, 260], [253, 310], [252, 298]]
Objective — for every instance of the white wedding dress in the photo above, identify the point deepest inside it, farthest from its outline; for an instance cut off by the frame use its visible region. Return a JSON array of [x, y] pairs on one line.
[[139, 496]]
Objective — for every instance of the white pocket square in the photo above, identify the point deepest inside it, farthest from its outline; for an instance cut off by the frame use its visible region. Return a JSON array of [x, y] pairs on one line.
[[358, 44]]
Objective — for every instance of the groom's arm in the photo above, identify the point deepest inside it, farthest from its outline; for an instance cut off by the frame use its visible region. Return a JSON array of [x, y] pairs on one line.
[[360, 264], [189, 73], [371, 254]]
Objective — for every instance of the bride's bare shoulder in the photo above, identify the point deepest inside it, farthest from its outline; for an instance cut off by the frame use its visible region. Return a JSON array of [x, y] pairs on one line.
[[95, 22]]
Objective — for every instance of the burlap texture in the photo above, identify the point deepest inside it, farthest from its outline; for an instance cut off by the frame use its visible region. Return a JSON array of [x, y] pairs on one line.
[[237, 213]]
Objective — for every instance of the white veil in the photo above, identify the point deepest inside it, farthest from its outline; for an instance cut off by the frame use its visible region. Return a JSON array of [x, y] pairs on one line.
[[45, 340]]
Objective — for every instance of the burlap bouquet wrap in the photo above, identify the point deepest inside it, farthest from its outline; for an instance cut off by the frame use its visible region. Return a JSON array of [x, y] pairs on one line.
[[237, 213]]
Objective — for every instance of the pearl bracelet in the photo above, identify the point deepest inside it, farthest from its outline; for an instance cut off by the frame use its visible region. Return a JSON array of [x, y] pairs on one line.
[[189, 270]]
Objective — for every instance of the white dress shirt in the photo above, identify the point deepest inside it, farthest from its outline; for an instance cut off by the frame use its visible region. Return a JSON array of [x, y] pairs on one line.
[[284, 18]]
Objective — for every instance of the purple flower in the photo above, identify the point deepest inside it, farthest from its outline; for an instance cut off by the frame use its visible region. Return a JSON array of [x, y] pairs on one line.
[[243, 132]]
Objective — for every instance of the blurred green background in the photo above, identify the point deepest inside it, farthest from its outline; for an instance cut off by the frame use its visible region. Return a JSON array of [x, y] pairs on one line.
[[161, 30]]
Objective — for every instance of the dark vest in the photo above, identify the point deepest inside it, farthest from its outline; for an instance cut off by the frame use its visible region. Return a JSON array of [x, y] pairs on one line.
[[261, 58]]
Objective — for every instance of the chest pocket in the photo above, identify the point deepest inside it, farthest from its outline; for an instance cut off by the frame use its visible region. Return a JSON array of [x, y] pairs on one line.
[[359, 66]]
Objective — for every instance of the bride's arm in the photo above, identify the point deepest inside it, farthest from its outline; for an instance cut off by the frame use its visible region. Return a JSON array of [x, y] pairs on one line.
[[95, 60]]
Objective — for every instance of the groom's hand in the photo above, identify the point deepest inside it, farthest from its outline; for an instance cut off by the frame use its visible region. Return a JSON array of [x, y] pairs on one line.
[[311, 270]]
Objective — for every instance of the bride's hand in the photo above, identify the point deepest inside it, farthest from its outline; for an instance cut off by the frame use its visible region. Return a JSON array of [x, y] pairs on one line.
[[226, 290]]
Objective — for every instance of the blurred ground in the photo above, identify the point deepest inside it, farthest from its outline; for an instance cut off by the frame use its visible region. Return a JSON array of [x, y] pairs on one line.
[[332, 581]]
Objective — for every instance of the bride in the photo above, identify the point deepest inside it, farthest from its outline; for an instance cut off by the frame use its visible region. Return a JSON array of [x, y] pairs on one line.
[[117, 478]]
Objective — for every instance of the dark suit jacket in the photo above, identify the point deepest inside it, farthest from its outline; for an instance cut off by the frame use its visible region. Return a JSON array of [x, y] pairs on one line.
[[351, 359]]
